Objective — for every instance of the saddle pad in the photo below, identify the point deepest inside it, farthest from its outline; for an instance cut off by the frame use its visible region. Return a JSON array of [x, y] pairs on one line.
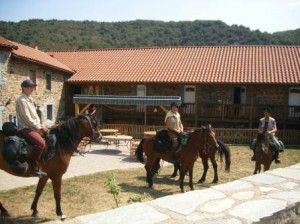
[[162, 142]]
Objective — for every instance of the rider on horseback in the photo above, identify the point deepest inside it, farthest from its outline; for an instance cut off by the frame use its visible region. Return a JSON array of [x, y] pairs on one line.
[[175, 127], [267, 125], [29, 123]]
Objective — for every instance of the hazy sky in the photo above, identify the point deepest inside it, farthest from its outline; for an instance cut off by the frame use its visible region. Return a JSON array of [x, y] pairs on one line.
[[265, 15]]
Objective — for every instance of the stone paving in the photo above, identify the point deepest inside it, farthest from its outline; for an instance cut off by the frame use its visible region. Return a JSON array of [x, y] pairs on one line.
[[271, 197], [99, 158]]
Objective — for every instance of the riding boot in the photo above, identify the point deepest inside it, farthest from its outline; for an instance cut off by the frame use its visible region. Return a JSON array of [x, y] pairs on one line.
[[276, 155], [37, 170], [51, 142]]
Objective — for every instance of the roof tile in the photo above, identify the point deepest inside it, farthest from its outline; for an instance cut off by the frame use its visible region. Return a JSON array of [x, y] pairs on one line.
[[199, 64]]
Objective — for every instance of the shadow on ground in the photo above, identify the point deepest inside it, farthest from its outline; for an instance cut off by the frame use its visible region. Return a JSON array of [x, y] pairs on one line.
[[22, 220]]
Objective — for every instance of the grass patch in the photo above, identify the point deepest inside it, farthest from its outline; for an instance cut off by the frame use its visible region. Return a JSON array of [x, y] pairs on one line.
[[88, 194]]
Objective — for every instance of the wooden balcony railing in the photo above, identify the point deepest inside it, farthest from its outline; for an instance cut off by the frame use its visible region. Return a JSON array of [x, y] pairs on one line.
[[236, 111]]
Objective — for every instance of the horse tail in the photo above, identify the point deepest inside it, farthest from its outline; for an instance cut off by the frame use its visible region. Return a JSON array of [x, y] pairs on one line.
[[224, 151], [139, 152]]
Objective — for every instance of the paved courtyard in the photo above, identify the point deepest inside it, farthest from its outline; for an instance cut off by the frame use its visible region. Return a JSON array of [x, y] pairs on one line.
[[99, 158]]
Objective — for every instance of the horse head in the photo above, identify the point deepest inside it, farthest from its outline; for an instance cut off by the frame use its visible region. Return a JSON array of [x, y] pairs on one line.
[[90, 126], [207, 134]]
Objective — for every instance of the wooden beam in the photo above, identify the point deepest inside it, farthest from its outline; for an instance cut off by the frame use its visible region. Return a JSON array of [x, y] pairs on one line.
[[163, 108], [84, 109], [76, 109]]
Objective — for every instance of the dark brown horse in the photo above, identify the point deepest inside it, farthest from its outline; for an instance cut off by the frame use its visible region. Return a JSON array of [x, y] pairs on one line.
[[69, 135], [207, 152], [262, 153], [187, 154]]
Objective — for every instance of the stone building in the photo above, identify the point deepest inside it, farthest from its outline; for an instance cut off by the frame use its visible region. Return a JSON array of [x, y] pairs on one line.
[[19, 62], [226, 85]]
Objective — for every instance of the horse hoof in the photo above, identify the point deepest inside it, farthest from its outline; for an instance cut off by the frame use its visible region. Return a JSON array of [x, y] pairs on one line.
[[173, 175], [182, 190], [63, 217], [34, 213], [214, 182], [201, 181]]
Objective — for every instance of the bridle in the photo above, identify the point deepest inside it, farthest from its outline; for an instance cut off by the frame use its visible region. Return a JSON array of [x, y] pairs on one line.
[[94, 131]]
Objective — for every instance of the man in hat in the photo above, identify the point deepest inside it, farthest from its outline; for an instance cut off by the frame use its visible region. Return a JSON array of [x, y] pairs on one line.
[[267, 125], [175, 127], [29, 124]]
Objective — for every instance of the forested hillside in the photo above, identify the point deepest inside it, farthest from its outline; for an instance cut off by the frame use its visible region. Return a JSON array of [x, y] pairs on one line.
[[63, 34]]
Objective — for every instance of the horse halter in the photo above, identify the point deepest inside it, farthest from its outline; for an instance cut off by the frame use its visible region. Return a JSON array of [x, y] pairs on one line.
[[92, 123]]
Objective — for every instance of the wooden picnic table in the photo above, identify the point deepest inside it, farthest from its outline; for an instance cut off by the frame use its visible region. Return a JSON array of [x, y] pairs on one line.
[[117, 139], [149, 134], [105, 132]]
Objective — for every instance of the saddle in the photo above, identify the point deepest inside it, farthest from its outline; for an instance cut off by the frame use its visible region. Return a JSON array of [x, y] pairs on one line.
[[17, 152], [163, 142]]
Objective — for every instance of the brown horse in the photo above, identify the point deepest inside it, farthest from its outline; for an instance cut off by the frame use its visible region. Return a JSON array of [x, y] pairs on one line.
[[262, 153], [68, 134], [187, 154], [208, 152]]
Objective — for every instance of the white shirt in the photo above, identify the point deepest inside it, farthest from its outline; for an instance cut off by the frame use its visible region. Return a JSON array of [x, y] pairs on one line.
[[174, 119], [271, 123], [26, 113]]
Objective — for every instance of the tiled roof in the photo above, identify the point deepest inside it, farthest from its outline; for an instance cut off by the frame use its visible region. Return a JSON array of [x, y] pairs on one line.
[[6, 43], [206, 64], [34, 55]]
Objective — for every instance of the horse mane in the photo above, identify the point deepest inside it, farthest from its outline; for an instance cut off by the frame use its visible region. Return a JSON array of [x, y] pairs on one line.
[[67, 133]]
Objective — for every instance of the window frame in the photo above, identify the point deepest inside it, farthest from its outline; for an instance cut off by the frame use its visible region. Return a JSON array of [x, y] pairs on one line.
[[48, 82], [49, 112]]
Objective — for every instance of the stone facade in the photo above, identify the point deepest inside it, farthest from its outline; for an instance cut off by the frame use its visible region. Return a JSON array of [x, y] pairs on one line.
[[14, 71]]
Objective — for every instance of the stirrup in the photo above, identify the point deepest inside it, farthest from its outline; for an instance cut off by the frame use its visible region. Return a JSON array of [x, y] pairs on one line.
[[40, 173], [277, 160]]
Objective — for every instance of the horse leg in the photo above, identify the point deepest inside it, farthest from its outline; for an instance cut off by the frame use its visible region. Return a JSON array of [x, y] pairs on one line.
[[181, 178], [205, 168], [39, 189], [56, 183], [150, 168], [174, 174], [215, 166], [191, 168], [267, 166], [4, 212], [257, 167]]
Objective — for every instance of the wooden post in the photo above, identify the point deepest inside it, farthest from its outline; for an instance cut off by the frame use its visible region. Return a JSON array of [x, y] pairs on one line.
[[76, 109], [196, 108], [145, 115], [84, 109], [251, 107]]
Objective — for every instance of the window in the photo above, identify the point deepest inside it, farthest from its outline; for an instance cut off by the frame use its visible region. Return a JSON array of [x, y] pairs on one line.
[[141, 91], [49, 112], [32, 76], [48, 81]]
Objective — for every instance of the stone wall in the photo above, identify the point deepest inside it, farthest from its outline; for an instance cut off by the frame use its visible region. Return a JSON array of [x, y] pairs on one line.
[[15, 71]]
